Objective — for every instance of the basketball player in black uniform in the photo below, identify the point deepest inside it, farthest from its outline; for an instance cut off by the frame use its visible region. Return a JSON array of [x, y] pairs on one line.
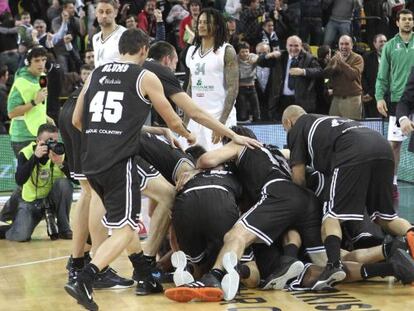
[[107, 279], [279, 204], [359, 163], [110, 112]]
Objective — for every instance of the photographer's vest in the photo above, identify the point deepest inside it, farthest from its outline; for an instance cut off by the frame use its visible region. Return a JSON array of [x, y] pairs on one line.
[[35, 116], [43, 176]]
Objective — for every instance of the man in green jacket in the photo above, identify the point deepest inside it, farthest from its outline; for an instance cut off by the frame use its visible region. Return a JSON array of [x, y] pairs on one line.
[[397, 58], [26, 104], [46, 191]]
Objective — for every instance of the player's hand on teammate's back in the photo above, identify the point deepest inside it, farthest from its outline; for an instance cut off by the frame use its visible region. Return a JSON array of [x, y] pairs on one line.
[[169, 135], [184, 178], [191, 139], [216, 137], [247, 141]]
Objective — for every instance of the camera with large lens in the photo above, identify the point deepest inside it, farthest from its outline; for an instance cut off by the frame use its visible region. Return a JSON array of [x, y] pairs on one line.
[[55, 146]]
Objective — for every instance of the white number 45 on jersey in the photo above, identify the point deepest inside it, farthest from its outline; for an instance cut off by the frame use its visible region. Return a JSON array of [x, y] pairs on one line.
[[110, 107]]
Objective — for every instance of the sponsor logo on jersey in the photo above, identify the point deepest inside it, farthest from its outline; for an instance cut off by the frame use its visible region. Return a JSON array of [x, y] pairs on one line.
[[104, 80]]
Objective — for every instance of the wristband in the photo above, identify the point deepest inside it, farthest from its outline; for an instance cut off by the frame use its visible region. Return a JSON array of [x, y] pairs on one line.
[[33, 103]]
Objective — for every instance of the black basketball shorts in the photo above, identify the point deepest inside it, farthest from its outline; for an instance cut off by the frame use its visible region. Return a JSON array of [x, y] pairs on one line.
[[350, 189], [120, 190]]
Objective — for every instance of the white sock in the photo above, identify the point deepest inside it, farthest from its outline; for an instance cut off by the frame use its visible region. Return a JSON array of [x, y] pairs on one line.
[[395, 182]]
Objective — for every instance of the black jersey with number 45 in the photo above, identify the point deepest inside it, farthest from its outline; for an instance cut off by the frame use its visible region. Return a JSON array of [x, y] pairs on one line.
[[114, 112]]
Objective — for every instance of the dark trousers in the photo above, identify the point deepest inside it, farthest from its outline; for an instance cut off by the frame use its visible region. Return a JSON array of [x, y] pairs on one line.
[[285, 101], [29, 214], [311, 30], [247, 101]]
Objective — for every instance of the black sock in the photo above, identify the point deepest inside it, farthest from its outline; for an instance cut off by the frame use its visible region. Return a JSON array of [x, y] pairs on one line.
[[88, 273], [78, 263], [137, 259], [333, 248], [219, 274], [150, 259], [381, 269], [142, 268], [290, 250], [87, 256]]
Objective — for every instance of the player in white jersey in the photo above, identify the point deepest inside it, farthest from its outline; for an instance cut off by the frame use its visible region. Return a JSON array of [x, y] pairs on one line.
[[105, 42], [214, 73]]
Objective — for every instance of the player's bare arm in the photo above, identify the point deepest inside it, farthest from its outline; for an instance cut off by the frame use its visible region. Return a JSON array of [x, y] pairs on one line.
[[298, 174], [201, 116], [77, 113], [231, 80], [213, 158], [151, 86]]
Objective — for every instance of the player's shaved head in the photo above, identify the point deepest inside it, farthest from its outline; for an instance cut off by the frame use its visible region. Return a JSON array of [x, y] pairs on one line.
[[290, 115]]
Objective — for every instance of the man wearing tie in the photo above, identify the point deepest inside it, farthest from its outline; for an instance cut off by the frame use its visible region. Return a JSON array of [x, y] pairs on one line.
[[299, 71]]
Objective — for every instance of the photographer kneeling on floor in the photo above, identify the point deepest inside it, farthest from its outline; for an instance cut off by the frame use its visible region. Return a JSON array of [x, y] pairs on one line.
[[46, 191]]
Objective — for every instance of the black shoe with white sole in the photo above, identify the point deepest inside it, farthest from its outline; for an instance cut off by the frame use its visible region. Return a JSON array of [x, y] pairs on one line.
[[289, 268]]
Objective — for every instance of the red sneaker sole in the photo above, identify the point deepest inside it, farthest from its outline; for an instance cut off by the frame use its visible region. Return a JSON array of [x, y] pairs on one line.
[[186, 294], [410, 242]]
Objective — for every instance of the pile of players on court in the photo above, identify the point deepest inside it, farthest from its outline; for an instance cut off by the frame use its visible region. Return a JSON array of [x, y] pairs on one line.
[[239, 219]]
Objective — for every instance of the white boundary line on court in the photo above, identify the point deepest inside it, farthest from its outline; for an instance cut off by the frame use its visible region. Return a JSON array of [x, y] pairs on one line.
[[33, 262]]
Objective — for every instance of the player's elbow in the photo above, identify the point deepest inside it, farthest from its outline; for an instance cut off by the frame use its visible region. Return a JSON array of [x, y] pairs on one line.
[[206, 161]]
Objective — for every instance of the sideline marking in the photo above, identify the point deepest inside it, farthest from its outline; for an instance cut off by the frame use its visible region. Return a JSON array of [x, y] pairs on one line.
[[33, 262]]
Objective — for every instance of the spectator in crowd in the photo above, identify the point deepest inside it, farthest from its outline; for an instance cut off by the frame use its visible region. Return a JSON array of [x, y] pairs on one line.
[[378, 23], [369, 76], [146, 19], [396, 58], [323, 93], [54, 10], [186, 27], [233, 8], [25, 40], [247, 101], [177, 13], [344, 71], [299, 71], [277, 14], [267, 85], [340, 19], [405, 108], [310, 29], [40, 28], [75, 27], [46, 191], [251, 18], [233, 34], [8, 39], [4, 76], [269, 35], [89, 57], [293, 14], [131, 22], [26, 104], [4, 6]]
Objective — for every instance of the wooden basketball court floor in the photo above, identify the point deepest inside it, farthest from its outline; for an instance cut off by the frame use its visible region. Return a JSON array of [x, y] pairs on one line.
[[32, 276]]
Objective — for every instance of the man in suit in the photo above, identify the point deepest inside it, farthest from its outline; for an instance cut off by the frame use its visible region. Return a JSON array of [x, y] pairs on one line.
[[369, 76], [405, 108], [299, 71]]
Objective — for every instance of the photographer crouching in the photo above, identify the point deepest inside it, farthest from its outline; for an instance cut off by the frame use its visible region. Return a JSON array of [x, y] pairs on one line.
[[46, 192]]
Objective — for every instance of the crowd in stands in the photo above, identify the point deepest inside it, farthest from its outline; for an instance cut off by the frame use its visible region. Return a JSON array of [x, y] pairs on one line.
[[65, 29]]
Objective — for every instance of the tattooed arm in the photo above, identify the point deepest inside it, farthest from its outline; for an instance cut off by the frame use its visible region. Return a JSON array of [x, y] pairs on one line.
[[231, 80]]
